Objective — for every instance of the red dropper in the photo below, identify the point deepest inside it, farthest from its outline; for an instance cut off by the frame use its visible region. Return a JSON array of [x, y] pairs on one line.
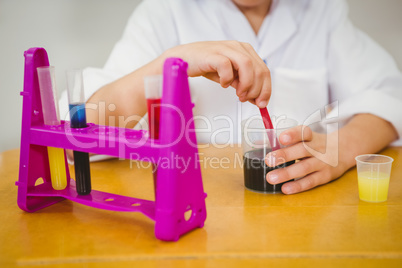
[[273, 140]]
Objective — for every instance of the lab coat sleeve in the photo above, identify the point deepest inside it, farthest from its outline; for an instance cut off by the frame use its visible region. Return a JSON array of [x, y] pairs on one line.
[[150, 30], [363, 77]]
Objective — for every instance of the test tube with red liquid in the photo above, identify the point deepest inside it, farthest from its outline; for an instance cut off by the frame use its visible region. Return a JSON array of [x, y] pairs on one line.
[[153, 95]]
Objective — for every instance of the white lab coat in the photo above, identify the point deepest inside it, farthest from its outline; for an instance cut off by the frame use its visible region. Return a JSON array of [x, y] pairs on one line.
[[315, 54]]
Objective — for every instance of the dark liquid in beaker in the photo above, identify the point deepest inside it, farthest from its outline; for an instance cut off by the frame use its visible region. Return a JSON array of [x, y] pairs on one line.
[[255, 172]]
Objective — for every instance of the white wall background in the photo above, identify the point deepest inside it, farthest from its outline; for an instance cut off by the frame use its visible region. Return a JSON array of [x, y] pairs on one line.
[[79, 33]]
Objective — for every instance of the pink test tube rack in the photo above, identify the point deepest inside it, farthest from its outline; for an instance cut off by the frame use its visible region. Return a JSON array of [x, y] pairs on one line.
[[178, 191]]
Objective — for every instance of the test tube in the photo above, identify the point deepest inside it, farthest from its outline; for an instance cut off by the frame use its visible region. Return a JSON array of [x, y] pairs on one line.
[[50, 109], [153, 95], [75, 88]]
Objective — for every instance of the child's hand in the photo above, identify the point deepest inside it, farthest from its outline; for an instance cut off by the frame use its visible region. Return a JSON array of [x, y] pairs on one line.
[[318, 154], [323, 157], [229, 63]]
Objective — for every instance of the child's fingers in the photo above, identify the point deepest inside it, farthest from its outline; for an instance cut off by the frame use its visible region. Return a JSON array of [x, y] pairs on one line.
[[287, 154], [297, 170], [230, 63], [261, 90], [262, 100], [243, 65], [296, 134], [219, 70], [306, 183]]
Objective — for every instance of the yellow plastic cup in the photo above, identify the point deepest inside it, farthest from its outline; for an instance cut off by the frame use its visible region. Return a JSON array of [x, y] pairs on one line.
[[373, 175]]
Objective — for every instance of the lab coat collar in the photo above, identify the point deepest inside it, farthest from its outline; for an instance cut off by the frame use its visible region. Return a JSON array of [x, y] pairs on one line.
[[234, 24], [276, 29]]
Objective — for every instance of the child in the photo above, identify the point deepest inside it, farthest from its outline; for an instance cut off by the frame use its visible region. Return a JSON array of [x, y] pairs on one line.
[[315, 57]]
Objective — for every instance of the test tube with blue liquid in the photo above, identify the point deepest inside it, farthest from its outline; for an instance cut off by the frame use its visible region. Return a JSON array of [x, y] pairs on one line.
[[50, 109], [78, 119]]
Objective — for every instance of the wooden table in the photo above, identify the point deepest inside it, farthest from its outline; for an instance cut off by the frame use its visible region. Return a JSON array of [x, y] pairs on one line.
[[327, 226]]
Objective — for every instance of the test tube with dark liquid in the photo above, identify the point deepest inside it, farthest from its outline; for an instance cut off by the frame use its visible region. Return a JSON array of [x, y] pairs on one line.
[[153, 94], [78, 119]]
